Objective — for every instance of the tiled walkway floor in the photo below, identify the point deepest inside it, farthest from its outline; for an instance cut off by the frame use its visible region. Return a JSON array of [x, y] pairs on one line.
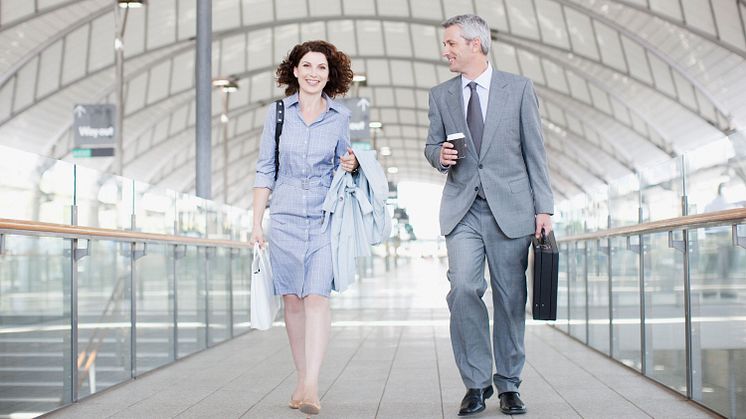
[[389, 357]]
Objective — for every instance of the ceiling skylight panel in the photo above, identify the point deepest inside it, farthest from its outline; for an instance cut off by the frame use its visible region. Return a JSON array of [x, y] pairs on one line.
[[667, 7], [11, 10], [134, 36], [426, 77], [255, 11], [233, 57], [494, 13], [182, 77], [258, 51], [729, 25], [102, 41], [342, 35], [504, 57], [637, 60], [610, 46], [579, 88], [25, 82], [378, 73], [312, 30], [290, 9], [187, 22], [522, 18], [159, 81], [555, 76], [405, 98], [224, 14], [359, 7], [74, 53], [427, 41], [134, 98], [685, 91], [552, 23], [662, 75], [286, 37], [49, 72], [582, 38], [402, 71], [161, 22], [457, 7], [621, 112], [369, 36], [325, 8], [427, 9], [397, 39], [383, 97], [261, 87], [531, 66], [600, 100], [393, 8], [698, 14]]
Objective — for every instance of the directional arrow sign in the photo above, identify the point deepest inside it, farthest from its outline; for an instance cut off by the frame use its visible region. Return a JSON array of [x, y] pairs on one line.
[[93, 125], [359, 118]]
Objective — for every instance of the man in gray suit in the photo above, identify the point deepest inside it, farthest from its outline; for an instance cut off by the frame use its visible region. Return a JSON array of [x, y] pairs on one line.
[[495, 197]]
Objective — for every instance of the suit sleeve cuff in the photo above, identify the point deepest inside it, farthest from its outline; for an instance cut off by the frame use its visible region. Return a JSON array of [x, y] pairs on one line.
[[264, 181]]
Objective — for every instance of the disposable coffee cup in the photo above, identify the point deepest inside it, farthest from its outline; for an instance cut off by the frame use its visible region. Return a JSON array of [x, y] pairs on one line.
[[458, 139]]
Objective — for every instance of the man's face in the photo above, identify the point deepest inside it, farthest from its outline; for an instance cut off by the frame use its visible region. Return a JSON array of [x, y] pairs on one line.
[[459, 52]]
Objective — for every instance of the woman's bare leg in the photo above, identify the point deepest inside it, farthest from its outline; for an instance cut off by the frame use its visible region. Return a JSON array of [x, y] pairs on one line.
[[295, 324], [318, 328]]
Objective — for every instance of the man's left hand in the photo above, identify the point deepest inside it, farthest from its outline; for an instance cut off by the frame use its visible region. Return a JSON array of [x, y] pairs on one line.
[[543, 221], [349, 161]]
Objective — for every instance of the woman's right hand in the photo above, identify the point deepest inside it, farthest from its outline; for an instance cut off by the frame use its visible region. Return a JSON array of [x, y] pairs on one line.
[[257, 236]]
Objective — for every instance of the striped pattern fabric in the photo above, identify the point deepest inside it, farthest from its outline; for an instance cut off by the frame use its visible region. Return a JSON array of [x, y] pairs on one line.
[[300, 251]]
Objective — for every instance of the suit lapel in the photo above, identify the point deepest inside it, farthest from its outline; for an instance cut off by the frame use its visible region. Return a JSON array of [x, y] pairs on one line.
[[456, 109], [499, 96]]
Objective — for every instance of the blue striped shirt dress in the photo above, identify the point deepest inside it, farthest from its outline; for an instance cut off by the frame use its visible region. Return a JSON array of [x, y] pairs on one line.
[[299, 250]]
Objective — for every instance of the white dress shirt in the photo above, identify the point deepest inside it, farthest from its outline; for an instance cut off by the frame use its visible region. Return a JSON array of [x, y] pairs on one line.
[[483, 90]]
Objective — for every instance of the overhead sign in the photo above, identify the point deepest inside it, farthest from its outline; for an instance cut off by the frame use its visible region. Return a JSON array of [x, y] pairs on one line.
[[94, 124], [360, 117]]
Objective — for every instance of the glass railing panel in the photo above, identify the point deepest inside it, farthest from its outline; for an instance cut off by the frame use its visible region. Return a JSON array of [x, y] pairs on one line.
[[104, 200], [598, 295], [665, 341], [719, 320], [190, 218], [563, 294], [625, 290], [40, 189], [155, 209], [598, 209], [577, 291], [661, 189], [104, 317], [154, 307], [35, 358], [191, 300], [241, 277], [624, 201], [712, 179], [219, 321]]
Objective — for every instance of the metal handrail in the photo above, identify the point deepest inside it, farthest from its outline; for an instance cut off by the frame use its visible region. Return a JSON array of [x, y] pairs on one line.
[[731, 216], [69, 231]]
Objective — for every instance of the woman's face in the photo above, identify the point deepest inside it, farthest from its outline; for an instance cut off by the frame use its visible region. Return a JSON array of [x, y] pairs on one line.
[[312, 73]]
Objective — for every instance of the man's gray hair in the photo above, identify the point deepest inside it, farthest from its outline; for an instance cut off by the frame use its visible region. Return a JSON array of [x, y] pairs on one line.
[[472, 27]]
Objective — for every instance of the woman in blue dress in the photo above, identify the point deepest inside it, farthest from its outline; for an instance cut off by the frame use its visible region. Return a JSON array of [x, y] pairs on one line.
[[314, 141]]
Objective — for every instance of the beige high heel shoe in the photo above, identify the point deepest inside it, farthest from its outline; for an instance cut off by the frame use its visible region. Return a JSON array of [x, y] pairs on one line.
[[310, 408], [294, 404]]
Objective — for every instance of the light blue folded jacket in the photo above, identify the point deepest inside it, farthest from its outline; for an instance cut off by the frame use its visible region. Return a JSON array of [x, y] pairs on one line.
[[355, 210]]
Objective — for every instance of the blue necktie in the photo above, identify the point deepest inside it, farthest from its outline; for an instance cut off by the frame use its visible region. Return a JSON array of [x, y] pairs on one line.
[[474, 117]]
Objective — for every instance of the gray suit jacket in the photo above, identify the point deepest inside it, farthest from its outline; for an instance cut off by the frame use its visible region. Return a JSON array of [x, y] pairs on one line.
[[511, 166]]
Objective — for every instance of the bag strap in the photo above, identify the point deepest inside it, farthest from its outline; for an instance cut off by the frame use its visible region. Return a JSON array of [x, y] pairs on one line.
[[279, 118]]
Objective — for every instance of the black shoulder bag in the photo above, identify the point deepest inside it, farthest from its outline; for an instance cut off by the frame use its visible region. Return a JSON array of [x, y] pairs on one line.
[[279, 118]]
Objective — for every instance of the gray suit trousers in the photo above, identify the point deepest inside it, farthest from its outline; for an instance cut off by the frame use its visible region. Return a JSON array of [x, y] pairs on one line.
[[477, 235]]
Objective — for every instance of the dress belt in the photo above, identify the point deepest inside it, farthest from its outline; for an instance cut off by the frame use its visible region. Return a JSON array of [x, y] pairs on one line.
[[305, 183]]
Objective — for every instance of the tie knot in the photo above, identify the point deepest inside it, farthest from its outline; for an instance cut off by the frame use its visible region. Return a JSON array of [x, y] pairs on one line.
[[472, 85]]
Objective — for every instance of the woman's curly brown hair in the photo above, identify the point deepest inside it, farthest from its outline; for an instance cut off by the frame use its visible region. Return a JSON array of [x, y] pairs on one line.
[[340, 71]]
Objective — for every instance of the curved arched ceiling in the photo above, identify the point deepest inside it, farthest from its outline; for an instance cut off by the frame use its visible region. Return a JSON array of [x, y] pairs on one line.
[[621, 84]]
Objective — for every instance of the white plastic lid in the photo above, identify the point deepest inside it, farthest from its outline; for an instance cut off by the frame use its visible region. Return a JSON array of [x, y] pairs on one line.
[[455, 136]]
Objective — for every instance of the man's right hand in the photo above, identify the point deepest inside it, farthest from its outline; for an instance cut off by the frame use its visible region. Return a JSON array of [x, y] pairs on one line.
[[257, 236], [448, 154]]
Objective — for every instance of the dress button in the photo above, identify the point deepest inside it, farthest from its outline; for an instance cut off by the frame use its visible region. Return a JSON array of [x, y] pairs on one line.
[[476, 188], [480, 166]]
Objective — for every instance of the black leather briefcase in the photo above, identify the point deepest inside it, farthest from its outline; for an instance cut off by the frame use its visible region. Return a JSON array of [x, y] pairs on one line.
[[546, 271]]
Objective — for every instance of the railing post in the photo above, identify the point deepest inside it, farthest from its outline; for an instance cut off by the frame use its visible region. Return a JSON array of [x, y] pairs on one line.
[[231, 256], [179, 253], [611, 294], [587, 309], [643, 337]]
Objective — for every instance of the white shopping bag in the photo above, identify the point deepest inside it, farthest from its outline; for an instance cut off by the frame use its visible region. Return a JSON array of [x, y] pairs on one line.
[[264, 304]]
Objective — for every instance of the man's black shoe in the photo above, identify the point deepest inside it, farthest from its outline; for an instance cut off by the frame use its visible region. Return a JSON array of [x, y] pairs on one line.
[[473, 402], [511, 404]]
